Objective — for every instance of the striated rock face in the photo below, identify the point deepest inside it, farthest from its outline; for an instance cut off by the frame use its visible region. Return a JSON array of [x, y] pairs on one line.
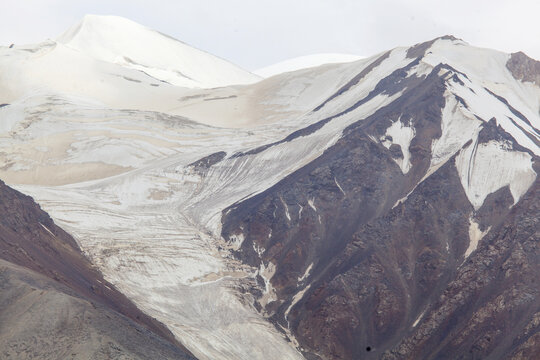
[[490, 307], [524, 68], [403, 240], [55, 304]]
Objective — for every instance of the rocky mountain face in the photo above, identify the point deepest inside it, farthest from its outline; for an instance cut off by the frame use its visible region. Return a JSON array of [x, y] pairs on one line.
[[361, 260], [56, 305], [385, 208]]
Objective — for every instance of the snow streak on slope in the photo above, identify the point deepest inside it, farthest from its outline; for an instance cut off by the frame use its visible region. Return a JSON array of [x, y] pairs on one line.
[[458, 126], [124, 42], [304, 62]]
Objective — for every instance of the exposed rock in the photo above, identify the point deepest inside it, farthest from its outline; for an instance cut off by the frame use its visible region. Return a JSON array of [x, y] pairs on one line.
[[524, 68]]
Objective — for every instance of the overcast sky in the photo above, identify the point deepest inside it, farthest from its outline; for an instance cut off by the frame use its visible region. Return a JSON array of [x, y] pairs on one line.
[[256, 33]]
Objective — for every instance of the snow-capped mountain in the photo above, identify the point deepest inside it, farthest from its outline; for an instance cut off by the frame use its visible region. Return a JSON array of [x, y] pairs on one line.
[[381, 208], [121, 41], [304, 62]]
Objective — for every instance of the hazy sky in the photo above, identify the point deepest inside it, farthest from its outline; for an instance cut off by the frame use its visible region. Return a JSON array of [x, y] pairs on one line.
[[256, 33]]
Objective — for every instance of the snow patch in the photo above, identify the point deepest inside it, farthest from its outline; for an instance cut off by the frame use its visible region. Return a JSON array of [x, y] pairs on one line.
[[258, 249], [458, 125], [475, 235], [311, 203], [485, 168], [402, 135], [300, 209], [286, 208]]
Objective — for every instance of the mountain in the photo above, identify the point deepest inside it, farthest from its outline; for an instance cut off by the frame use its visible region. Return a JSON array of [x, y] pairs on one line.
[[56, 304], [385, 208], [116, 63], [121, 41], [303, 62]]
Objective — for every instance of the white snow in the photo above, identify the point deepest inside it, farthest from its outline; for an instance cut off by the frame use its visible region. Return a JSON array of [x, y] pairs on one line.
[[121, 41], [311, 203], [485, 168], [46, 228], [419, 318], [402, 135], [153, 228], [486, 68], [458, 126], [286, 208], [339, 186], [307, 61]]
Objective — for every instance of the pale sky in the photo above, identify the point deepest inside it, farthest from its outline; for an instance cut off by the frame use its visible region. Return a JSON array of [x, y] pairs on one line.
[[257, 33]]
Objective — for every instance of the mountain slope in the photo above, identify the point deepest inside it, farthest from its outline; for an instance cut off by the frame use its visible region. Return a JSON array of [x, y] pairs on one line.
[[121, 41], [341, 218], [41, 319], [56, 304], [366, 238]]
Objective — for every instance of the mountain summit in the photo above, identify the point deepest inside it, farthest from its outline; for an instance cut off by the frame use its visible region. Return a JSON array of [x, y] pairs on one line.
[[121, 41]]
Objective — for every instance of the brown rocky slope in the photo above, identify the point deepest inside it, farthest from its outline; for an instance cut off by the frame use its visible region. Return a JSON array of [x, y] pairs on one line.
[[55, 305]]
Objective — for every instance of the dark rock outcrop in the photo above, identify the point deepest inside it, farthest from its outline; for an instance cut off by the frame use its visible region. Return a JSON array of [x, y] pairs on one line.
[[524, 68]]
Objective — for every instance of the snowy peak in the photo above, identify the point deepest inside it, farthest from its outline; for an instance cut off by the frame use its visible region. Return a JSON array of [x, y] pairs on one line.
[[121, 41]]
